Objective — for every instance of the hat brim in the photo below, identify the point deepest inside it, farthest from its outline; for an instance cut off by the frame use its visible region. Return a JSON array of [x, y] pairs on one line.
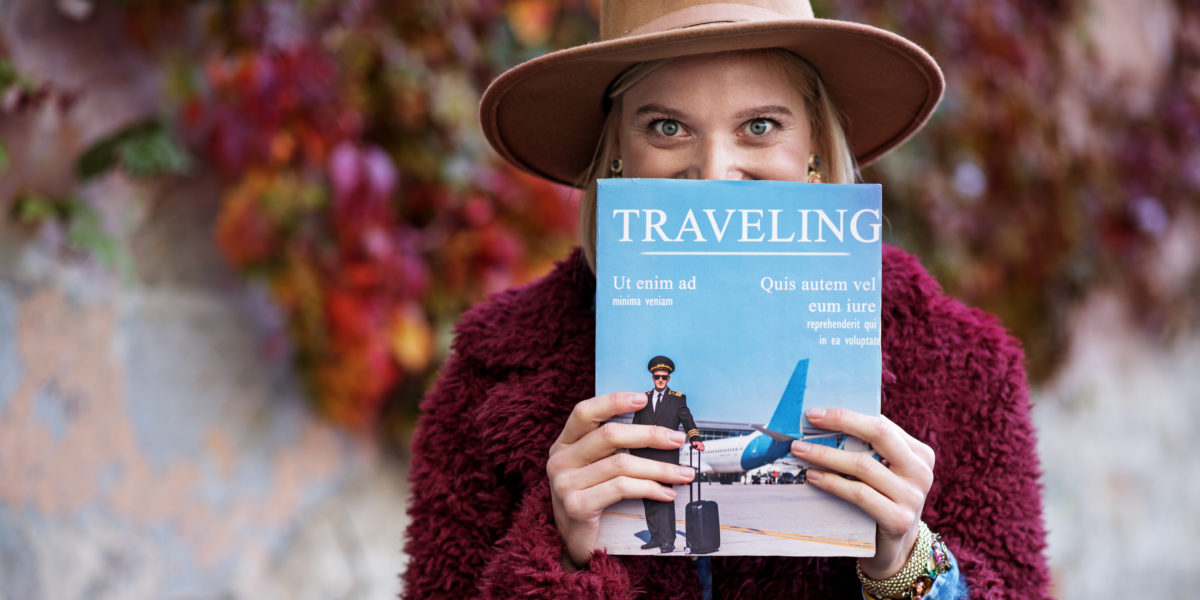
[[545, 115]]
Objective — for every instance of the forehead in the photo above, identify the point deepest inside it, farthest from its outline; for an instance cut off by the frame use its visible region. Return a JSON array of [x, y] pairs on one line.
[[729, 77], [662, 372]]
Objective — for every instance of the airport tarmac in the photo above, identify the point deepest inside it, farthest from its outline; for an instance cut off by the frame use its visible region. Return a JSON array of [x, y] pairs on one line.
[[786, 520]]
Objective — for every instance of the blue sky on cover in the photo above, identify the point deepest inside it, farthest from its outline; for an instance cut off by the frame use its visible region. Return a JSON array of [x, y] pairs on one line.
[[734, 345]]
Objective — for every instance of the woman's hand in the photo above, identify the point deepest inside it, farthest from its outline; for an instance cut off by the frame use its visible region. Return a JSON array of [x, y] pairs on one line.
[[587, 475], [892, 491]]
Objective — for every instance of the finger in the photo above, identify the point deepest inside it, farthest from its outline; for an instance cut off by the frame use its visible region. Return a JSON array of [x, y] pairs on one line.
[[591, 413], [611, 436], [861, 465], [621, 465], [921, 450], [885, 436], [894, 518], [587, 503]]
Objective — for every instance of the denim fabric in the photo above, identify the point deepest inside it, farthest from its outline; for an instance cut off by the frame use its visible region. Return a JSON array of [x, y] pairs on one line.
[[950, 585], [704, 569]]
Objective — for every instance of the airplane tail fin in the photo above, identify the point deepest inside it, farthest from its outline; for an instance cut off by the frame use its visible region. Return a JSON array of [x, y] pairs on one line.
[[790, 411]]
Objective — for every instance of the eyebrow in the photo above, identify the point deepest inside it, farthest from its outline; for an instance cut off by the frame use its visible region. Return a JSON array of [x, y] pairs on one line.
[[653, 108], [764, 110], [748, 113]]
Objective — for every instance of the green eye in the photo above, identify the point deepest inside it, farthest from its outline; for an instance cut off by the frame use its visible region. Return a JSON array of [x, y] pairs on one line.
[[759, 126], [667, 127]]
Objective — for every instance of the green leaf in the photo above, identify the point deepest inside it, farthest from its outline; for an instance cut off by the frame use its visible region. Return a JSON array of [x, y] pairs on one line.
[[144, 150], [85, 230], [98, 159], [153, 152], [4, 161], [31, 209], [8, 74]]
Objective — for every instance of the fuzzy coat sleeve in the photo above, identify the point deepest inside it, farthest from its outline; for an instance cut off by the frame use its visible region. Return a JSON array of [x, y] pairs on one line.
[[955, 379], [481, 520]]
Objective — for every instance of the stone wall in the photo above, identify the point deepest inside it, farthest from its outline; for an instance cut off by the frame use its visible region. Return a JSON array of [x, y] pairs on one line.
[[1119, 433], [154, 445]]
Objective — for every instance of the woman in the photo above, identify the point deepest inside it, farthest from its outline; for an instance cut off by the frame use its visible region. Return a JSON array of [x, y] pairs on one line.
[[511, 468]]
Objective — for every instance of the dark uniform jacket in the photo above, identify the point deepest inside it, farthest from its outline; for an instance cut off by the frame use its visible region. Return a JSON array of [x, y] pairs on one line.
[[671, 412]]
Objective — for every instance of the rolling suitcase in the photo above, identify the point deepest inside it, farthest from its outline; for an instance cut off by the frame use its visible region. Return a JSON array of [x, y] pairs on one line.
[[701, 519]]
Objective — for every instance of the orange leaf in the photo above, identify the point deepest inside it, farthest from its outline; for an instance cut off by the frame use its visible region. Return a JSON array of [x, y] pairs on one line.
[[411, 338]]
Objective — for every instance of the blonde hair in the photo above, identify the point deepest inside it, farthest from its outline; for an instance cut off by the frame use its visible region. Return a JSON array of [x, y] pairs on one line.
[[825, 122]]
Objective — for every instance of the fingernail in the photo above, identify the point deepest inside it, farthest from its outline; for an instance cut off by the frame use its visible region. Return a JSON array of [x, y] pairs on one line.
[[636, 399], [816, 413], [676, 436], [686, 472], [814, 475], [670, 493], [800, 447]]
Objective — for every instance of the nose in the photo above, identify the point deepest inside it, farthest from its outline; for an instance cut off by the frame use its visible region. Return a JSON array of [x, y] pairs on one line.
[[720, 159]]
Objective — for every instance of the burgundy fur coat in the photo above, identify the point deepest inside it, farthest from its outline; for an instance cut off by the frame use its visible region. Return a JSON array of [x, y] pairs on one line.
[[482, 525]]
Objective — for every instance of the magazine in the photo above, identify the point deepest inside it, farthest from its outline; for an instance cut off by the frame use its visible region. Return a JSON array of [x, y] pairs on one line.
[[745, 303]]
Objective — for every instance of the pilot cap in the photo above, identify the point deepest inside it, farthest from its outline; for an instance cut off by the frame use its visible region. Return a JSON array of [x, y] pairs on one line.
[[661, 363]]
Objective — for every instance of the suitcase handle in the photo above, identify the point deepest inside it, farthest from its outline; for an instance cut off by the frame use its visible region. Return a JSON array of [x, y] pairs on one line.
[[695, 478]]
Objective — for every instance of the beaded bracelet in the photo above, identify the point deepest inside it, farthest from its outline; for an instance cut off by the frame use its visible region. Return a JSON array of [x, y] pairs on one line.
[[929, 559]]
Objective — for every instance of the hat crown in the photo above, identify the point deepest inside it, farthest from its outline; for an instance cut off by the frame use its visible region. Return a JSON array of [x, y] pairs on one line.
[[622, 18], [661, 363]]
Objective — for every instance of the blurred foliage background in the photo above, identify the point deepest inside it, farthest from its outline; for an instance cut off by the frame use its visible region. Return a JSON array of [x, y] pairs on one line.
[[357, 188], [1064, 158]]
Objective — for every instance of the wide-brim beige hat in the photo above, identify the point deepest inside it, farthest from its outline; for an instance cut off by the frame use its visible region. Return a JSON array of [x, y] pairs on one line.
[[545, 115]]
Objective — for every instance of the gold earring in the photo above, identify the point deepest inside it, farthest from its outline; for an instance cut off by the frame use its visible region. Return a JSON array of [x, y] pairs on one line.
[[616, 167], [814, 173]]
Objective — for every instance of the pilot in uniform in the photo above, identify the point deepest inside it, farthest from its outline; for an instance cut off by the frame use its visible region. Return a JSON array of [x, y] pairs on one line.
[[667, 408]]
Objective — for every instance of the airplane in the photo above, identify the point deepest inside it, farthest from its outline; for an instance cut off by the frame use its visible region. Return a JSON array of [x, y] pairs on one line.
[[739, 454]]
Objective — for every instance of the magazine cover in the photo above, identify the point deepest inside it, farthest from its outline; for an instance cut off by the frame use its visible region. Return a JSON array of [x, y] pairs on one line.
[[736, 306]]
